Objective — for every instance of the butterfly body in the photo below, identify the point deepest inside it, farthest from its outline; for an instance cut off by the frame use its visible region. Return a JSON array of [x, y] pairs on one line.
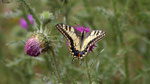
[[79, 42]]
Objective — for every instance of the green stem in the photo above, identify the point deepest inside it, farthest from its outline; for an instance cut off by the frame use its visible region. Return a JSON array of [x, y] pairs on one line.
[[31, 11], [88, 72], [55, 63], [127, 80]]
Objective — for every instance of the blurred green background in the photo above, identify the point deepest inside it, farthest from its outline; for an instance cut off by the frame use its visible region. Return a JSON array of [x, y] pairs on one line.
[[122, 57]]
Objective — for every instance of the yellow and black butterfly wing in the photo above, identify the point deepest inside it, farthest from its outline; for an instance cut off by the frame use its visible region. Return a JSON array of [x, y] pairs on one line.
[[91, 38], [72, 36]]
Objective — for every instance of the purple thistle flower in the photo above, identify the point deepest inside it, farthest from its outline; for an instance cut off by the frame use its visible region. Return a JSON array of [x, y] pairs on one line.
[[91, 48], [36, 45], [30, 18], [23, 22], [33, 47], [82, 28], [87, 30]]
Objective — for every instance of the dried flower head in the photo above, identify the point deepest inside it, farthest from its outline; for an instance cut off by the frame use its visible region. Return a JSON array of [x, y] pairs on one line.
[[37, 44]]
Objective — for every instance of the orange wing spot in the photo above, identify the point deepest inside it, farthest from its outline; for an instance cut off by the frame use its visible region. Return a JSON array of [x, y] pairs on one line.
[[79, 54]]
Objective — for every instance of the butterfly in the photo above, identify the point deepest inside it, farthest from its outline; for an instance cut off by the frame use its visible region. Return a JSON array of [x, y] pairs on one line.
[[79, 42]]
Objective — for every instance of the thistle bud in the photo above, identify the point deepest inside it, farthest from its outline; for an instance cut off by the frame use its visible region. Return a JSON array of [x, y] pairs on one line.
[[46, 15], [37, 44]]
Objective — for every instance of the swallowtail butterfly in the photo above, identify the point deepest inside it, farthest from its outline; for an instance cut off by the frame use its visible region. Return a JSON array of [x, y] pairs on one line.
[[79, 43]]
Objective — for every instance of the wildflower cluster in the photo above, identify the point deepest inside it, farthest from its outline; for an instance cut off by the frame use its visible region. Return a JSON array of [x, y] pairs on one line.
[[39, 41]]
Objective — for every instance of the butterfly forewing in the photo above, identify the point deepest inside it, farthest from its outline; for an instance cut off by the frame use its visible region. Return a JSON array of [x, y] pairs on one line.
[[92, 37], [72, 35]]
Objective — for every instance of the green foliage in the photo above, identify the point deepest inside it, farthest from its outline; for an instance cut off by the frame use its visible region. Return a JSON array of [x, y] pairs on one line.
[[122, 57]]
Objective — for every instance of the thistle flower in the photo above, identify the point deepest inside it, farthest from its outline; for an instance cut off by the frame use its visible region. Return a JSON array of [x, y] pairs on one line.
[[30, 18], [23, 22], [91, 48], [37, 44], [82, 28]]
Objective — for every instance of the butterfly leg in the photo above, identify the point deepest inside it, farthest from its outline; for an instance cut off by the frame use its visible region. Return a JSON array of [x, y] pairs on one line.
[[72, 60]]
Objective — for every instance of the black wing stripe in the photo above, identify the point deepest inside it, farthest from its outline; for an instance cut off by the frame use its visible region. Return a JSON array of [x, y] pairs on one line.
[[97, 32], [69, 28], [94, 32], [66, 27]]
